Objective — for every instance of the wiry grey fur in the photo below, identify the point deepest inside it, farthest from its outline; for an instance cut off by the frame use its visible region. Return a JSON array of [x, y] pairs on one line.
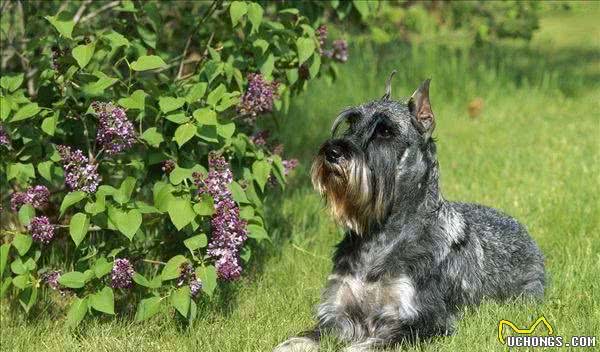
[[410, 259]]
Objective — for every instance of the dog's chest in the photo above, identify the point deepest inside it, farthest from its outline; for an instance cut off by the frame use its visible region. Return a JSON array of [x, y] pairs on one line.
[[353, 295]]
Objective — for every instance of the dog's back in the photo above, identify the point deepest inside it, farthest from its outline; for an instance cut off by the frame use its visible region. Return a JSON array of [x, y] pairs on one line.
[[508, 262]]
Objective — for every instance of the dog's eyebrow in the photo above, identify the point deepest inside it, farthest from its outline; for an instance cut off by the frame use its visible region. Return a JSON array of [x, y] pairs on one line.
[[341, 117]]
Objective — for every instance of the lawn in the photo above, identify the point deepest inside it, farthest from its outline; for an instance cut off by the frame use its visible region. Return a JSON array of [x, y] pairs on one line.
[[533, 151]]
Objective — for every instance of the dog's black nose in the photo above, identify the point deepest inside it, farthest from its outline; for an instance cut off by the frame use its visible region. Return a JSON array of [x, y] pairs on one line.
[[333, 154]]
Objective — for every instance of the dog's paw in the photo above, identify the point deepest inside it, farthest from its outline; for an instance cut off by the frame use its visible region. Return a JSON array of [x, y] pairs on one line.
[[297, 344]]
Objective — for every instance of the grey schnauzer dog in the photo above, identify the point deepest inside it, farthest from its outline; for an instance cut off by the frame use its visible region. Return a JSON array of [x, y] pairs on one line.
[[409, 259]]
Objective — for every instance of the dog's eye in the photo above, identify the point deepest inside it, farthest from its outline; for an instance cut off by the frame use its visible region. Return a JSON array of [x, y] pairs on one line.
[[383, 131]]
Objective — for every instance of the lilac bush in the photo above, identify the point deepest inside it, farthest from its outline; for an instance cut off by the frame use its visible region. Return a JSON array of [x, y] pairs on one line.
[[134, 166]]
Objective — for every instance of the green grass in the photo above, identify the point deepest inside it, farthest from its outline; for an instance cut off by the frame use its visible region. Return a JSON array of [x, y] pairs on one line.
[[534, 152]]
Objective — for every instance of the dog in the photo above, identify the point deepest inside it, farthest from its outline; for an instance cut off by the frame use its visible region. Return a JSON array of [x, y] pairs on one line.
[[409, 259]]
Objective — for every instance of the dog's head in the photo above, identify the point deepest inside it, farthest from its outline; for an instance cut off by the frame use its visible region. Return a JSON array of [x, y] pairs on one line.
[[380, 162]]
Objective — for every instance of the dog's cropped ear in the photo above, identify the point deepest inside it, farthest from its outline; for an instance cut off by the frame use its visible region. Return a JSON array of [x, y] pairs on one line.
[[420, 106], [388, 87]]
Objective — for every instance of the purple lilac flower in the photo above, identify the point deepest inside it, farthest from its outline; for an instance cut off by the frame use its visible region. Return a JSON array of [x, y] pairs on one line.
[[17, 200], [122, 274], [4, 138], [289, 165], [115, 132], [80, 174], [168, 166], [259, 96], [228, 229], [50, 278], [37, 196], [321, 34], [260, 137], [188, 276], [41, 229], [195, 287], [339, 52], [56, 54]]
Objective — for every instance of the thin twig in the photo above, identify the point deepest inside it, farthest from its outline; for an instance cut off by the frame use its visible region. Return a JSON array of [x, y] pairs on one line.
[[154, 261], [204, 54], [81, 10], [213, 6], [187, 45], [108, 6], [309, 253], [86, 134]]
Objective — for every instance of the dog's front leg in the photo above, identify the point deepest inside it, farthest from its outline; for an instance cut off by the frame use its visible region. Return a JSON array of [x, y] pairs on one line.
[[368, 345], [307, 341]]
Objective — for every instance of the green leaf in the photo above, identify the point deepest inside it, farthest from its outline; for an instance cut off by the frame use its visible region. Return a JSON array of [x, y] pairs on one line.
[[73, 279], [63, 22], [257, 232], [124, 193], [178, 118], [25, 112], [180, 299], [168, 104], [22, 243], [226, 130], [147, 62], [103, 301], [208, 275], [78, 227], [116, 39], [45, 169], [71, 199], [98, 87], [162, 195], [181, 212], [209, 134], [261, 170], [362, 7], [267, 66], [11, 83], [126, 221], [102, 267], [198, 241], [216, 94], [97, 207], [141, 280], [21, 281], [18, 267], [137, 100], [172, 269], [4, 257], [5, 286], [22, 172], [179, 174], [238, 193], [306, 47], [196, 92], [28, 298], [77, 312], [5, 107], [50, 122], [184, 133], [83, 54], [26, 213], [206, 116], [206, 206], [153, 137], [255, 15], [147, 308], [237, 10]]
